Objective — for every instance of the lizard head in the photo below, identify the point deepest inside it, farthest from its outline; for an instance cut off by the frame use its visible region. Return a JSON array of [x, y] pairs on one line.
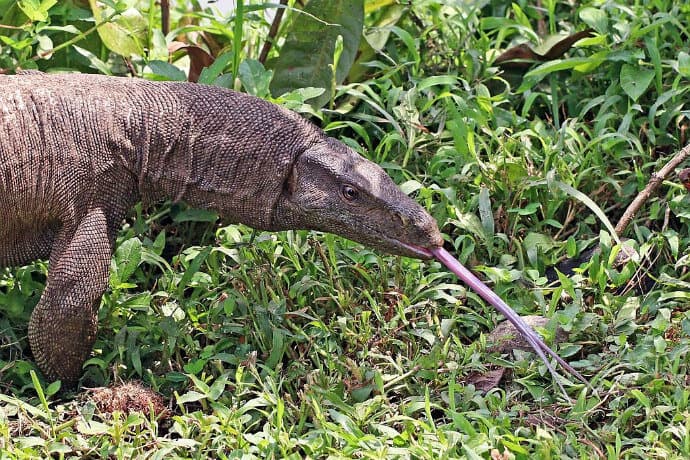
[[333, 189]]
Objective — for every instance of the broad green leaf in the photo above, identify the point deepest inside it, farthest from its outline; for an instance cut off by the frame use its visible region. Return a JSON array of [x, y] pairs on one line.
[[409, 41], [595, 18], [375, 35], [470, 223], [193, 268], [556, 65], [92, 427], [45, 46], [307, 55], [16, 44], [158, 49], [36, 10], [277, 350], [189, 397], [641, 397], [70, 29], [535, 242], [217, 388], [127, 259], [374, 5], [485, 212], [527, 210], [94, 62], [195, 215], [255, 79], [125, 34], [635, 80], [437, 80], [195, 366], [25, 407], [596, 40], [579, 64], [214, 71], [166, 71], [684, 64], [624, 55]]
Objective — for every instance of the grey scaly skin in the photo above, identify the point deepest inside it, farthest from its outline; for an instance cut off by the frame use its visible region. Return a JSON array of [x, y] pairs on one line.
[[77, 151]]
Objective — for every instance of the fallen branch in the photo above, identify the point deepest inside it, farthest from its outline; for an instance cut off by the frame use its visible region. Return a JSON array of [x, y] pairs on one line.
[[654, 182]]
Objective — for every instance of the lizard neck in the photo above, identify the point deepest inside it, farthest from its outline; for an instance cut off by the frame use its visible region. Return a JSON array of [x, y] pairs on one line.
[[225, 151]]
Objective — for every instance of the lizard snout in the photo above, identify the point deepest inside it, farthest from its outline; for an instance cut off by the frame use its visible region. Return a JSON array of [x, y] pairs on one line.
[[417, 227]]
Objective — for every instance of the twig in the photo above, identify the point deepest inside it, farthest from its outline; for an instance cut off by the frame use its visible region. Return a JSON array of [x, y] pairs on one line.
[[272, 32], [5, 26], [569, 217], [165, 16], [73, 40], [654, 182], [130, 66]]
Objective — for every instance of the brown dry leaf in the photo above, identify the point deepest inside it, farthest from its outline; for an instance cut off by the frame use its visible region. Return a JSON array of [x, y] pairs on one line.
[[496, 455], [521, 57], [198, 58], [684, 176], [486, 381]]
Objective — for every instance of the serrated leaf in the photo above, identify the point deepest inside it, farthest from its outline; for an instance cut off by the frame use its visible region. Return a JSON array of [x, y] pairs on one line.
[[635, 80]]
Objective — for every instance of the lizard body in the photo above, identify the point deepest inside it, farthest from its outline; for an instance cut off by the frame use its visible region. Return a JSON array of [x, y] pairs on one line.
[[78, 151]]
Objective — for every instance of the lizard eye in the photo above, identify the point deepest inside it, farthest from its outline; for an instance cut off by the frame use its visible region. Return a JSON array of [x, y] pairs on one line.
[[349, 192]]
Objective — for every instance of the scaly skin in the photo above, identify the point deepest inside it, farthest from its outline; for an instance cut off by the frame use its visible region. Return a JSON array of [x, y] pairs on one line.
[[77, 151]]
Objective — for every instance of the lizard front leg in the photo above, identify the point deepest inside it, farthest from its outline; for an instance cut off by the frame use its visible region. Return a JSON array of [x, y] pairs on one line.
[[63, 325]]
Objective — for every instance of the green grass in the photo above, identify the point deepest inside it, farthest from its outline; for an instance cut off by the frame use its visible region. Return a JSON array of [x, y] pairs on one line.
[[297, 344]]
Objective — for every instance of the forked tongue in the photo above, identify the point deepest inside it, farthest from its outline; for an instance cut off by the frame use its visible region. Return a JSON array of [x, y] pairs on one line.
[[525, 330]]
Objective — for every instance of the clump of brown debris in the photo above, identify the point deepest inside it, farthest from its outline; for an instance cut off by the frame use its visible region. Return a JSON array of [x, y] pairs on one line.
[[127, 398]]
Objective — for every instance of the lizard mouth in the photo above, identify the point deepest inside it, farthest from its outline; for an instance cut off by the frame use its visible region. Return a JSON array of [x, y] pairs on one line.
[[418, 251], [394, 245]]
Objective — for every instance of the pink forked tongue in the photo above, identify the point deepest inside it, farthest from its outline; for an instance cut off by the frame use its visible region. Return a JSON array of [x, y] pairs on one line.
[[525, 330]]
